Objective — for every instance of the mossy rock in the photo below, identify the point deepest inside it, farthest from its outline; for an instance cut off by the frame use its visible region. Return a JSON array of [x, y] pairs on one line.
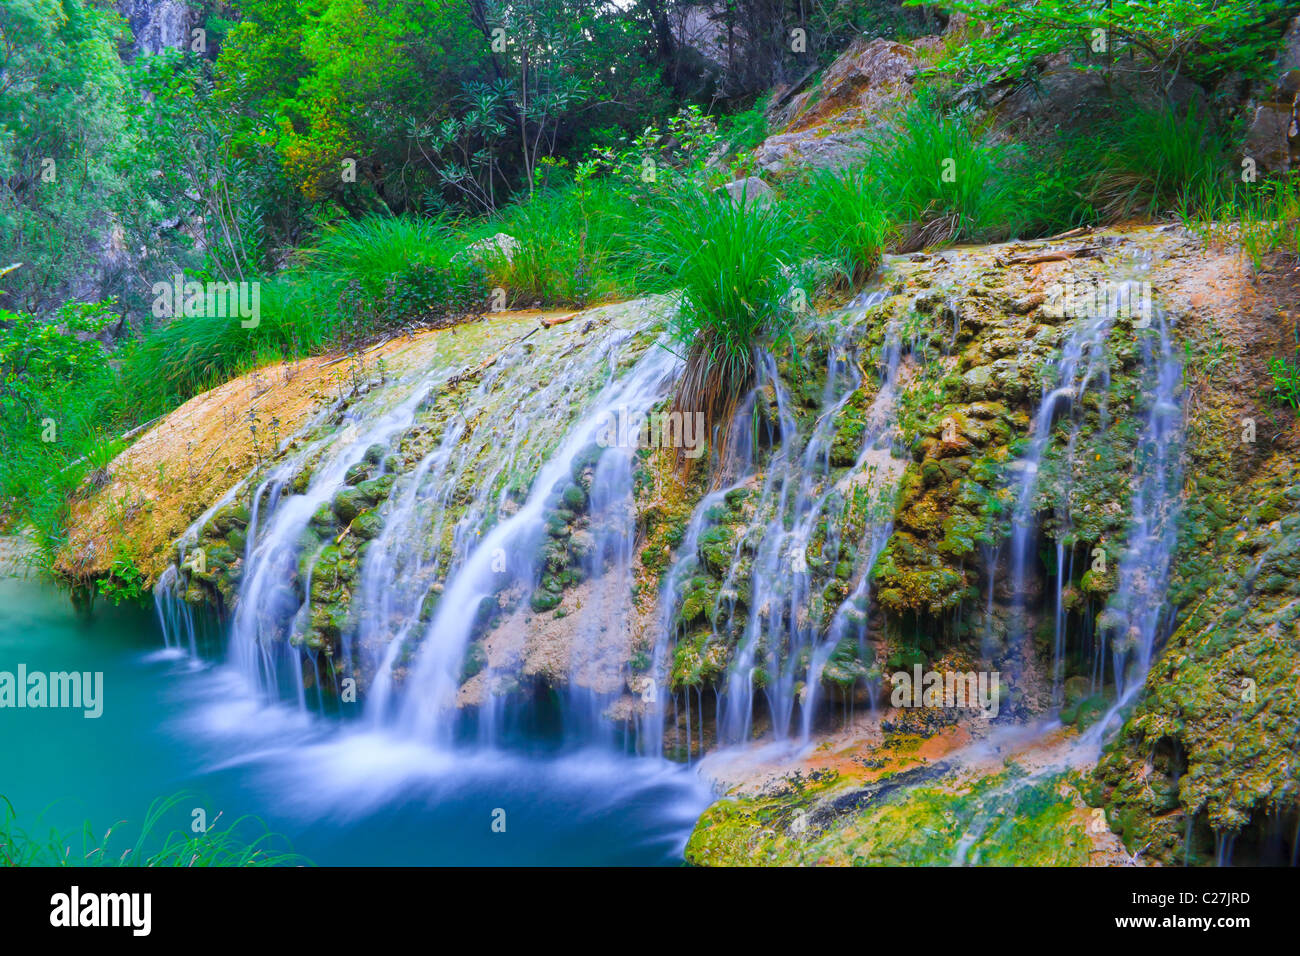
[[350, 502], [367, 525], [227, 519]]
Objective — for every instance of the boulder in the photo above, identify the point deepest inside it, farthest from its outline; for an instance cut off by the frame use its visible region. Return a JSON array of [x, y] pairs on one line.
[[754, 191], [829, 124], [502, 244]]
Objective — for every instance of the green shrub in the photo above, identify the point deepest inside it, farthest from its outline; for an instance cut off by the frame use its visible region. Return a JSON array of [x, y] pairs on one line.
[[125, 581]]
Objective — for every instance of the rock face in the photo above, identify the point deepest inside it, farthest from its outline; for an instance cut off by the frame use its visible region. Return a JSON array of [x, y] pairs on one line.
[[159, 25], [1273, 138], [825, 125], [1207, 762]]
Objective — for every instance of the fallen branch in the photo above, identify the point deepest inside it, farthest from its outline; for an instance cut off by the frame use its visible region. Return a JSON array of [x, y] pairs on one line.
[[558, 320], [1070, 234], [1083, 252]]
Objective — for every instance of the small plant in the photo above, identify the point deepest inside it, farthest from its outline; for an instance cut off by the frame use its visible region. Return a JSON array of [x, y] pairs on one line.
[[125, 581], [1286, 379], [1160, 159]]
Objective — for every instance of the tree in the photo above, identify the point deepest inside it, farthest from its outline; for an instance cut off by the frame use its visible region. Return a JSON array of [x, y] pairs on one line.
[[1202, 40], [62, 96]]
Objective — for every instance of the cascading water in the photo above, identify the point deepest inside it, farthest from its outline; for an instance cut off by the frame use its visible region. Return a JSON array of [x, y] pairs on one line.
[[1083, 358], [471, 512], [1138, 613], [874, 476], [462, 527], [268, 605], [433, 682], [780, 651]]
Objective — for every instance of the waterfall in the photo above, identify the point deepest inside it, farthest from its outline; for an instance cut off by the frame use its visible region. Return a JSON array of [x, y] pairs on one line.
[[268, 604], [427, 709], [459, 529], [781, 651], [1138, 612], [1082, 358], [516, 511]]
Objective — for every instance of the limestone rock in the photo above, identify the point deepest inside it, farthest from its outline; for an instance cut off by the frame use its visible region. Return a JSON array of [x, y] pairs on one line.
[[827, 125], [502, 244], [754, 191]]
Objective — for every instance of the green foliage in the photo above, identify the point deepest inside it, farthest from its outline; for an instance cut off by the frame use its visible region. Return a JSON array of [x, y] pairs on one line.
[[416, 93], [1286, 378], [125, 581], [574, 247], [662, 160], [733, 262], [943, 178], [38, 358], [56, 393], [1266, 214], [62, 101], [212, 165], [1157, 159], [1203, 40], [847, 221], [229, 845], [359, 280]]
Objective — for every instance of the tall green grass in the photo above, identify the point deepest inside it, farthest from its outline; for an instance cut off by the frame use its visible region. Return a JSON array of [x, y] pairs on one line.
[[220, 845], [576, 246], [1153, 160], [847, 222], [734, 265], [942, 180], [1262, 217]]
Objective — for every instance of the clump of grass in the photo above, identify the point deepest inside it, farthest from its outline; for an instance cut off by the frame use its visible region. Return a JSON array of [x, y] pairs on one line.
[[1285, 371], [1155, 160], [370, 251], [734, 264], [1262, 216], [848, 224], [572, 250], [943, 180], [216, 846]]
